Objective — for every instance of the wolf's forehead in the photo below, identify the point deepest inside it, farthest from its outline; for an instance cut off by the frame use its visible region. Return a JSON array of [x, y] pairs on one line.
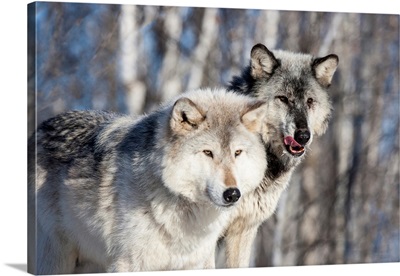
[[295, 64], [221, 115], [296, 84], [226, 136], [223, 121], [295, 73]]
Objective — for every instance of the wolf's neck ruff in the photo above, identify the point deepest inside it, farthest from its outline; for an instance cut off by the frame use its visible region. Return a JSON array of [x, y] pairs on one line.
[[277, 165]]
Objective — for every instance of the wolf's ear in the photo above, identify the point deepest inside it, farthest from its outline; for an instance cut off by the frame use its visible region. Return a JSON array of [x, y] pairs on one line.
[[262, 62], [253, 114], [324, 68], [186, 116]]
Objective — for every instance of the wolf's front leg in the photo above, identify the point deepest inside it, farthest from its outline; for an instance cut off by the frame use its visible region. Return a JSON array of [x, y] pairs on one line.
[[239, 239], [53, 254], [210, 262]]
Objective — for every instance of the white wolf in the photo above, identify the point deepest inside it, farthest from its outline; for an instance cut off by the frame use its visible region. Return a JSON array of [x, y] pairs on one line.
[[138, 195]]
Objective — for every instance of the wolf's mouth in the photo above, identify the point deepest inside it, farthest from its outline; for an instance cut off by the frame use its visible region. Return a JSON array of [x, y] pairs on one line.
[[293, 147]]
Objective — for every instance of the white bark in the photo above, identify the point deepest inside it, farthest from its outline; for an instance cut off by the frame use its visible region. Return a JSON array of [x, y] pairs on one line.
[[269, 23], [171, 75], [206, 41], [129, 59]]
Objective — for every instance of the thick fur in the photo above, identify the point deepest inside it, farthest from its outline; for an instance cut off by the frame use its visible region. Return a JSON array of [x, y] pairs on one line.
[[119, 194], [294, 85]]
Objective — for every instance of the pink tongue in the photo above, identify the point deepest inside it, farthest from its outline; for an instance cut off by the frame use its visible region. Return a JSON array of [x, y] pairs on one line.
[[289, 141]]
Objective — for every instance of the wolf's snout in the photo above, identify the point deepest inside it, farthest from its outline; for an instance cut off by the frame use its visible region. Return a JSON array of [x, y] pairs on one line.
[[231, 195], [302, 136]]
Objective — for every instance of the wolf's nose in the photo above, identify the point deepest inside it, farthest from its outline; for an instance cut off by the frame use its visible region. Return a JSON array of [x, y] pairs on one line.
[[302, 136], [231, 195]]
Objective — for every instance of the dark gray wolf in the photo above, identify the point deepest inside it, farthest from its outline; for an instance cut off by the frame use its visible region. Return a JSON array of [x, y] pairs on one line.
[[294, 85], [152, 193]]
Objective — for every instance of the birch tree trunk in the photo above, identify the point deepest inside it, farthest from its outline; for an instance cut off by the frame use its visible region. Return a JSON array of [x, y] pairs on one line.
[[172, 69], [129, 38], [207, 37]]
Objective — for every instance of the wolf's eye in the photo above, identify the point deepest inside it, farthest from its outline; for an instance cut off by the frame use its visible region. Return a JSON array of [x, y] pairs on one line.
[[283, 99], [208, 153], [237, 153], [310, 101]]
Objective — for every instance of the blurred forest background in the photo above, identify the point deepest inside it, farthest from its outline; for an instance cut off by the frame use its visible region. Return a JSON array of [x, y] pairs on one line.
[[342, 205]]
